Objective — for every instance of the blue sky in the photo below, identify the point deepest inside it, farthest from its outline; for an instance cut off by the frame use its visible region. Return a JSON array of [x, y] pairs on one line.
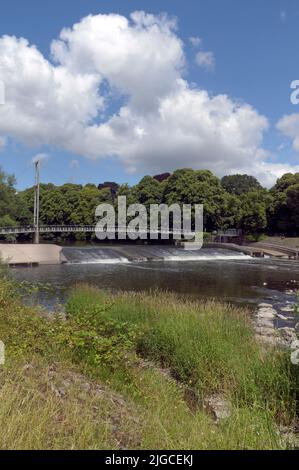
[[255, 46]]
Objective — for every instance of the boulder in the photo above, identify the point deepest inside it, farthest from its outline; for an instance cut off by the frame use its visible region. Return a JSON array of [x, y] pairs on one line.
[[288, 308], [218, 406], [264, 305], [266, 312], [288, 335]]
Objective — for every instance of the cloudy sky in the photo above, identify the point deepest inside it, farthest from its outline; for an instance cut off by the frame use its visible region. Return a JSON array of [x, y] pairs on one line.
[[113, 90]]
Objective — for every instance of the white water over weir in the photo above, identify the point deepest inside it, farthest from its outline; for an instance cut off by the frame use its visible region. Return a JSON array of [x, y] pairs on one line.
[[117, 254]]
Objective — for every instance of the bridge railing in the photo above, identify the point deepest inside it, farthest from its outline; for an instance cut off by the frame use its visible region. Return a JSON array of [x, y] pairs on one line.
[[230, 232], [24, 229], [87, 228]]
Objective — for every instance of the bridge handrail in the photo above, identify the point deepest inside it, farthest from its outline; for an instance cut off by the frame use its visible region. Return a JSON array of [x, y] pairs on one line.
[[230, 232], [80, 227]]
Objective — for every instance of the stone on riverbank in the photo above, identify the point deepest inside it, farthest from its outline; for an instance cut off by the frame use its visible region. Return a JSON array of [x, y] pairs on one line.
[[265, 327], [218, 406]]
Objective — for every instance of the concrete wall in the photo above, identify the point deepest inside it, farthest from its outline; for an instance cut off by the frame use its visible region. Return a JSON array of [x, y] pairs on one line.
[[31, 254]]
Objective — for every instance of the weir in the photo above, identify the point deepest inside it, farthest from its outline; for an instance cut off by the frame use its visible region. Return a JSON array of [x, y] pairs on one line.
[[114, 254]]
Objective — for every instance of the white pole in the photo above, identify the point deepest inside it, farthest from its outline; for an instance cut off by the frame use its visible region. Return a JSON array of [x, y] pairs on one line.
[[36, 203]]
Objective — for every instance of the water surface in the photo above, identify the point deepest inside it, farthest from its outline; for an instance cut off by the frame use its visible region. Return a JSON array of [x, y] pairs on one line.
[[206, 273]]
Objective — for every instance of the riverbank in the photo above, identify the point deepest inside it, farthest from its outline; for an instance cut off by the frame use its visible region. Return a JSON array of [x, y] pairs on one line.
[[135, 371], [31, 254], [288, 242]]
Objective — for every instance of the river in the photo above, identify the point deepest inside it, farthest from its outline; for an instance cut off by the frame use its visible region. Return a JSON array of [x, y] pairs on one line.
[[206, 273]]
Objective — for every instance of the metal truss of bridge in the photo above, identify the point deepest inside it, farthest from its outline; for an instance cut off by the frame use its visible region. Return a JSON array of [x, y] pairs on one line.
[[88, 228]]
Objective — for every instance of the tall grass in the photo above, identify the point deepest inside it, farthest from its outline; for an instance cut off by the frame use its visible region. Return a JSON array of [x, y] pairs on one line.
[[208, 346], [120, 371]]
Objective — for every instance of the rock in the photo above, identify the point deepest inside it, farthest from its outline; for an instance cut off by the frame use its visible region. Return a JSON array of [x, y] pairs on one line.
[[218, 406], [66, 383], [295, 357], [270, 340], [265, 323], [265, 326], [58, 391], [287, 309], [265, 331], [86, 386], [99, 390], [266, 312], [52, 372], [28, 368], [61, 315], [288, 335], [295, 345], [289, 436], [284, 317]]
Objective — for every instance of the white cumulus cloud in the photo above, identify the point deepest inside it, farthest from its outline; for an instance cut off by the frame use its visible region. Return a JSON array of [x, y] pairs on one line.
[[3, 142], [40, 157], [135, 66], [195, 41], [205, 59], [289, 126]]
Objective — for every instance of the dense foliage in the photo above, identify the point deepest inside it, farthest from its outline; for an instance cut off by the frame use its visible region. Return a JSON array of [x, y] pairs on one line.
[[235, 201]]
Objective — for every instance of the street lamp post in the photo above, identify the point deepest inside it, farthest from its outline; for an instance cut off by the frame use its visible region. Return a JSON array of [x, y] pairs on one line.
[[36, 203]]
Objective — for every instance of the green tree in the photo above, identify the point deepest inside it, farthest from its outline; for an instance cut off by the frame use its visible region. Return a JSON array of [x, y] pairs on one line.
[[148, 191], [283, 214], [189, 186], [240, 184], [292, 202], [254, 216], [230, 212], [8, 200]]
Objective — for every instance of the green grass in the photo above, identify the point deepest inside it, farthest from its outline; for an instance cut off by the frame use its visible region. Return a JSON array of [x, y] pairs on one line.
[[208, 346], [134, 371]]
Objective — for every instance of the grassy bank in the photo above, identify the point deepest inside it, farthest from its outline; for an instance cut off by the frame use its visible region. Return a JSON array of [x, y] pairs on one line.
[[135, 371]]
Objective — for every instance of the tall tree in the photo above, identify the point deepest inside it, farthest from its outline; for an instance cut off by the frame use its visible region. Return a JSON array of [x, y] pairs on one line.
[[187, 186], [254, 216], [240, 184], [8, 200], [283, 214], [148, 191]]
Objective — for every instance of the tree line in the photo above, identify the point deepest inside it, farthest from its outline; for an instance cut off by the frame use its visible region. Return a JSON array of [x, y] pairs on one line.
[[235, 201]]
